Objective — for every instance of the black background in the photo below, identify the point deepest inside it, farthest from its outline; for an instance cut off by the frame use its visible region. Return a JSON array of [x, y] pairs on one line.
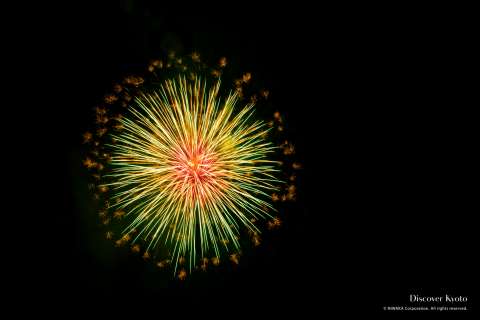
[[380, 114]]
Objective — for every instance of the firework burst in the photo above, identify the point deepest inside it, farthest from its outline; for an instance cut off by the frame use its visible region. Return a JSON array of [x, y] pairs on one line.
[[187, 171]]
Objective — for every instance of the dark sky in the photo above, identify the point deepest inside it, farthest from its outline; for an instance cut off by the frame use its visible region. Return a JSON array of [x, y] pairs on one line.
[[380, 127]]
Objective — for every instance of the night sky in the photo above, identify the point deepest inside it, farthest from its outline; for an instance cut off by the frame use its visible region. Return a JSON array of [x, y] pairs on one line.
[[379, 126]]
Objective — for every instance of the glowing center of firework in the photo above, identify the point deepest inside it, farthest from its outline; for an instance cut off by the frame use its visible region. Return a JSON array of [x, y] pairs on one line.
[[195, 166]]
